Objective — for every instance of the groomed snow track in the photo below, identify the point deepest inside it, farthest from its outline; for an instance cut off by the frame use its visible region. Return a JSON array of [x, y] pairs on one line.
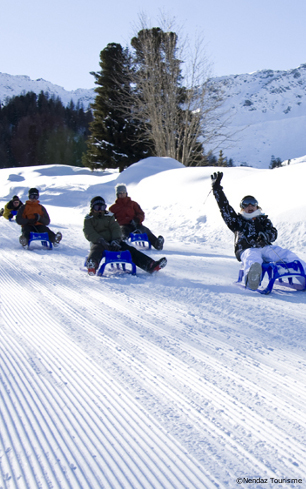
[[177, 381]]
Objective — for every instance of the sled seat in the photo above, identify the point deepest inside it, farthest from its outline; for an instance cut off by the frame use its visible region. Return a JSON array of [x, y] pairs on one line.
[[13, 214], [43, 237], [117, 261], [140, 240], [281, 273]]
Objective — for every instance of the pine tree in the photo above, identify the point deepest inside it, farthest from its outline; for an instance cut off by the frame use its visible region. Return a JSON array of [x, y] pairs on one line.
[[222, 160], [114, 141]]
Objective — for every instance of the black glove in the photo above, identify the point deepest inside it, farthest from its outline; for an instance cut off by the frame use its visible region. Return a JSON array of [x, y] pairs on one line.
[[216, 179], [104, 243], [115, 245], [263, 238]]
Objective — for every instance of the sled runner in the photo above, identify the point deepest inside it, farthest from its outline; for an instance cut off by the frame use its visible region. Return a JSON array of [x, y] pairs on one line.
[[43, 238], [116, 261], [140, 240], [290, 275]]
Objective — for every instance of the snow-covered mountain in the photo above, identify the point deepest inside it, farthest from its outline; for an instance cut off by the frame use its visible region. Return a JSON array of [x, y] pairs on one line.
[[267, 111], [12, 86]]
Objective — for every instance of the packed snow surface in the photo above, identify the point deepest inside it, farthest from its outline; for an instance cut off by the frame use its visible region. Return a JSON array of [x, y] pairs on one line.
[[181, 380]]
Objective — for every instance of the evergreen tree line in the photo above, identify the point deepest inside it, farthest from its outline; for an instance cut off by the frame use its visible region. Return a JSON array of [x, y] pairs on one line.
[[40, 130]]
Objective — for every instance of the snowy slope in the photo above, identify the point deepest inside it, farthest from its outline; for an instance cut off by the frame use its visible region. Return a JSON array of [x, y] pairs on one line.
[[181, 380]]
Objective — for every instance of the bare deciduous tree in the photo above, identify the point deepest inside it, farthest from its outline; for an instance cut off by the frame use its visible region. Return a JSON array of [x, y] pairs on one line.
[[173, 97]]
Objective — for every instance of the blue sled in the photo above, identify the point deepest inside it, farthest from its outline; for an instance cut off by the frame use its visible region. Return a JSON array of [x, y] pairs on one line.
[[118, 261], [140, 240], [281, 273], [43, 237], [13, 214]]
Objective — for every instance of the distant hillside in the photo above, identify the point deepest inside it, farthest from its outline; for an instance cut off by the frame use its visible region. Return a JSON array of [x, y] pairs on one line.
[[11, 86], [267, 110]]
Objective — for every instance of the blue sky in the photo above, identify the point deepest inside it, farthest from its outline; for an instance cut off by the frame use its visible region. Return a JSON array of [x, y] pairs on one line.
[[61, 40]]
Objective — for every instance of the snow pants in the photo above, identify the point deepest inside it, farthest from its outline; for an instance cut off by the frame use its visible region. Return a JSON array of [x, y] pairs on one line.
[[140, 259], [267, 254], [29, 228]]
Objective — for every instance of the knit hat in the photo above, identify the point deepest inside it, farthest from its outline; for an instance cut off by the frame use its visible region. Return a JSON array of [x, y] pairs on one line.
[[33, 191], [120, 188], [96, 200], [15, 198]]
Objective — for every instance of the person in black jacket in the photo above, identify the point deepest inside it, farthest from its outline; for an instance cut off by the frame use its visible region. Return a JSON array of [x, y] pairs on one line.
[[254, 234], [11, 208]]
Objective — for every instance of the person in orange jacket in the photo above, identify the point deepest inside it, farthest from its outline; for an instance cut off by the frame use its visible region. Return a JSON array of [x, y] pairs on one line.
[[33, 217], [130, 217]]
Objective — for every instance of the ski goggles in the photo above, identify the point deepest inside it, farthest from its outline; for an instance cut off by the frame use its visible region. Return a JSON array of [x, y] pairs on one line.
[[99, 207], [33, 196], [248, 201]]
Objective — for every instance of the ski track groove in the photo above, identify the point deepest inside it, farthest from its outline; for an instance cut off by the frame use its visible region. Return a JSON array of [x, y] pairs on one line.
[[34, 411], [175, 483], [135, 485], [128, 335]]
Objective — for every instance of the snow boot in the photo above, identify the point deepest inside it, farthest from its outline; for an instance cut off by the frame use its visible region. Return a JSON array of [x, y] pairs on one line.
[[92, 267], [58, 238], [159, 244], [254, 276], [23, 241], [157, 265]]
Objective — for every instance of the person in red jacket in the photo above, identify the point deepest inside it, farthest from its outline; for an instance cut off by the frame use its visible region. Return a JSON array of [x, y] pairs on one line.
[[33, 217], [130, 217]]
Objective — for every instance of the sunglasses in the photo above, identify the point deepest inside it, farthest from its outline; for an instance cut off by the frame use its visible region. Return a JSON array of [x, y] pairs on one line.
[[33, 196], [99, 207], [247, 202]]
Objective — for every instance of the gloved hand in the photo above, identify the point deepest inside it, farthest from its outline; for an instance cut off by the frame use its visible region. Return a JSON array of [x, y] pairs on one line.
[[135, 222], [263, 238], [32, 221], [115, 245], [104, 243], [216, 179]]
